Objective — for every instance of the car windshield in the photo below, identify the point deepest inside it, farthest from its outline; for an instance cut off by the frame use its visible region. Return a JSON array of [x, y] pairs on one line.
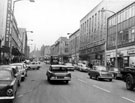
[[59, 69], [5, 75], [101, 68]]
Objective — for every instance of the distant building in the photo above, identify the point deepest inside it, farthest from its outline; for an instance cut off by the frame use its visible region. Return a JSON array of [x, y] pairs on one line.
[[60, 48], [74, 45], [24, 40], [47, 51]]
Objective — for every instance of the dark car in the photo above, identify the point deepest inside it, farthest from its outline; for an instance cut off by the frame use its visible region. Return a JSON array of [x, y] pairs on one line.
[[8, 85], [58, 73], [100, 72]]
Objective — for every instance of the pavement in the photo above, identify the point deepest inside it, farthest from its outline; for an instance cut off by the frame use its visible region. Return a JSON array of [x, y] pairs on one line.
[[81, 89]]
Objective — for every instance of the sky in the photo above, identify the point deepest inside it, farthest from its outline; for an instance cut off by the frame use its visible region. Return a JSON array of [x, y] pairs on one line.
[[51, 19]]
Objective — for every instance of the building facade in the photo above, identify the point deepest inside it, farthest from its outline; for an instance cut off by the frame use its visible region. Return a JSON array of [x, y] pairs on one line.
[[93, 30], [124, 21], [24, 39], [60, 49], [74, 46]]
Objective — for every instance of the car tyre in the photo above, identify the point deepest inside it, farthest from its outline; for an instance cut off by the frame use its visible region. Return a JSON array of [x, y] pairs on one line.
[[19, 84], [129, 82], [97, 77], [66, 82], [22, 79], [110, 80]]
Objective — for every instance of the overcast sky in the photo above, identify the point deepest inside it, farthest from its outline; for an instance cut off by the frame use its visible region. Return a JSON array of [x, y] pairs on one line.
[[50, 19]]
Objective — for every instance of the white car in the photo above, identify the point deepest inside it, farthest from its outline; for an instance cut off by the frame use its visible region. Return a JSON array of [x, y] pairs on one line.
[[69, 66], [33, 66]]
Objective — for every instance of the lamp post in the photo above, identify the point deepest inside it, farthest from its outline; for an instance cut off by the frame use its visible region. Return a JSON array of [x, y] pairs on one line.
[[116, 38], [17, 1]]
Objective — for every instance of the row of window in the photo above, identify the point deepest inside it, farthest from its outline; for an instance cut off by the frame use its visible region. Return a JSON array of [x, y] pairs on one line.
[[125, 36], [91, 26], [123, 15]]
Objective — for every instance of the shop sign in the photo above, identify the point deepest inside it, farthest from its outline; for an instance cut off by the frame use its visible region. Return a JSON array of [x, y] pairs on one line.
[[131, 51]]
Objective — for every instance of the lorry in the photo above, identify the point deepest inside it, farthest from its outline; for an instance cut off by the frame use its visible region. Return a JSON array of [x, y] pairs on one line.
[[128, 75]]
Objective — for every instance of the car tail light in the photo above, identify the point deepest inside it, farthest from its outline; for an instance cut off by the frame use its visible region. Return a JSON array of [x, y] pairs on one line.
[[9, 92]]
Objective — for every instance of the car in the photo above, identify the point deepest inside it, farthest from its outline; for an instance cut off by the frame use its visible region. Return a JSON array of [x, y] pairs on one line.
[[33, 66], [100, 72], [116, 72], [22, 69], [70, 67], [15, 71], [58, 73], [8, 85], [84, 68]]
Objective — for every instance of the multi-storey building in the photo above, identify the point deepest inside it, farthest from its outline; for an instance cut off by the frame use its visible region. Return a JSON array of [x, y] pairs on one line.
[[60, 49], [74, 45], [9, 34], [121, 25], [47, 51], [93, 30], [24, 40]]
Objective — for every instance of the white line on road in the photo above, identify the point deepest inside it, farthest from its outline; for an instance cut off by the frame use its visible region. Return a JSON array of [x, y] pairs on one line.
[[82, 81], [128, 99], [101, 88]]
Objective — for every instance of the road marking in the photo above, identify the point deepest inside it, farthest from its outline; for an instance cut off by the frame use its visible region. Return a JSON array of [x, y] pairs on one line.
[[101, 88], [82, 81], [128, 99]]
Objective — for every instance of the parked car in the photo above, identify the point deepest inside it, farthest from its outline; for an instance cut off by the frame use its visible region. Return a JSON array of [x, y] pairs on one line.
[[22, 69], [70, 67], [33, 66], [58, 72], [8, 85], [100, 72], [116, 73], [15, 71]]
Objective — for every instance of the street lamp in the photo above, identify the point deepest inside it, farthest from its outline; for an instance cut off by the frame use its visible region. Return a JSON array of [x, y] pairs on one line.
[[17, 1], [116, 36]]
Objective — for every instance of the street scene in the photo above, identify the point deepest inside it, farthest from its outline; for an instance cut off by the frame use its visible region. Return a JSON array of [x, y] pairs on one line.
[[36, 89], [67, 51]]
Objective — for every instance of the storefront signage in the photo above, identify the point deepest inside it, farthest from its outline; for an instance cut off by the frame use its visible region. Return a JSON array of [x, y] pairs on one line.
[[131, 51]]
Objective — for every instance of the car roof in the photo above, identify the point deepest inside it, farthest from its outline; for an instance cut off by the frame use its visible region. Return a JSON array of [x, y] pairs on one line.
[[9, 68], [58, 66], [17, 64]]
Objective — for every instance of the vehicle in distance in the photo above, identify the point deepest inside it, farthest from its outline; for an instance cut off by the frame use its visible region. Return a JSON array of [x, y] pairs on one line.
[[8, 85], [128, 75], [58, 73], [33, 66], [100, 72], [69, 66]]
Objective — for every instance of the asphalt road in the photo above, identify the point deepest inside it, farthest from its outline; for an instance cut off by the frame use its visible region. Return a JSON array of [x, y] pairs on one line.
[[81, 89]]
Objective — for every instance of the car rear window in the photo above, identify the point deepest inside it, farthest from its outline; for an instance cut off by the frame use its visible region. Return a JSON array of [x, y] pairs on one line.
[[5, 75], [59, 69]]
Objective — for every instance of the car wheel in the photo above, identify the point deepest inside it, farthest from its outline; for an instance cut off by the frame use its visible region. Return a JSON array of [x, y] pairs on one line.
[[23, 78], [110, 80], [18, 84], [129, 82], [66, 82], [97, 77], [48, 79]]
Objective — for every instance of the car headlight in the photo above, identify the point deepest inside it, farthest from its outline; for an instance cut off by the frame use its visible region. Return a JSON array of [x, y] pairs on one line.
[[9, 92]]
